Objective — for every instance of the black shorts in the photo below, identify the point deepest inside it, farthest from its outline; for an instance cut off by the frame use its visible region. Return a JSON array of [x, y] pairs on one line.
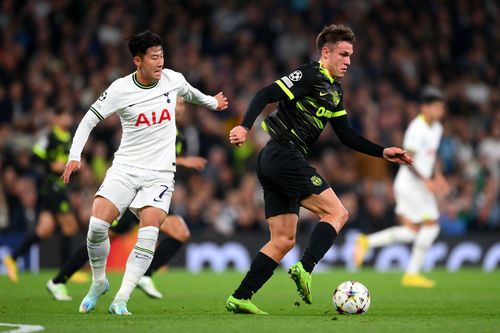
[[286, 178], [54, 198]]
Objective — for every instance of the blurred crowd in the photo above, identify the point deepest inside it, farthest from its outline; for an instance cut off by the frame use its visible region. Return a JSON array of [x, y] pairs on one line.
[[66, 52]]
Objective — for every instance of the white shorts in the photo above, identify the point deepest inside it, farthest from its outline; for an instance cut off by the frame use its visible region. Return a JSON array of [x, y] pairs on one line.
[[135, 188], [416, 203]]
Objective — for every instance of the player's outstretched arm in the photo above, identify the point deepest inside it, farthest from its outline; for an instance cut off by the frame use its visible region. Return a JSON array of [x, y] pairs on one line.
[[192, 162], [397, 155], [71, 167], [222, 102]]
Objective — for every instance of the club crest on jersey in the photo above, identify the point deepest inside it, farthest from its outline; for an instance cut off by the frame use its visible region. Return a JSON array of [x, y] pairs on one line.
[[316, 181], [143, 119]]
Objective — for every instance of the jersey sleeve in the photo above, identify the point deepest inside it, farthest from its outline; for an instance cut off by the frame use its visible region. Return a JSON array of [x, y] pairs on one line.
[[411, 141], [298, 83], [107, 104]]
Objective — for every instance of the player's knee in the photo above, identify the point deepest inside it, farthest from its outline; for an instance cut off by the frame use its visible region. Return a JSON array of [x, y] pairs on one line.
[[284, 243], [45, 231], [98, 230], [184, 235], [339, 216]]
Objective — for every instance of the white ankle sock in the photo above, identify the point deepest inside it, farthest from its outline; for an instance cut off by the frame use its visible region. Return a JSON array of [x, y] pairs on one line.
[[98, 248], [139, 260], [397, 234], [425, 237]]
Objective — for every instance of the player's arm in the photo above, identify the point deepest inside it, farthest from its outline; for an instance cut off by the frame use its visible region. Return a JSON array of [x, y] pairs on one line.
[[283, 88], [192, 162], [349, 137], [106, 105]]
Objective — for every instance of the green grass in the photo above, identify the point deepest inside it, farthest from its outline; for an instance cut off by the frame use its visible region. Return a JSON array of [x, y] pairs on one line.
[[467, 301]]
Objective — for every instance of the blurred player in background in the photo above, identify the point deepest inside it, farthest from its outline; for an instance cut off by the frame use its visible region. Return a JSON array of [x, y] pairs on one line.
[[415, 189], [173, 227], [142, 175], [55, 210], [309, 98]]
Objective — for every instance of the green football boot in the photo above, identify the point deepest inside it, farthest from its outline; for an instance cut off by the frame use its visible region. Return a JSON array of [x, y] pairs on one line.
[[242, 306], [303, 281]]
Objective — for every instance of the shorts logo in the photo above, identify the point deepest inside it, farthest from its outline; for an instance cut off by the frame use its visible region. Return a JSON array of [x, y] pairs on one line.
[[316, 181], [295, 76], [103, 96]]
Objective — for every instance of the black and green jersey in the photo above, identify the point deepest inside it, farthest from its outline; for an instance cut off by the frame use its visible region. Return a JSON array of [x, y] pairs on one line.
[[180, 143], [54, 147], [314, 99]]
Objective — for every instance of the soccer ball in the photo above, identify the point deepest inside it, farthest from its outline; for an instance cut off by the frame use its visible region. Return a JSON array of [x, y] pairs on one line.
[[351, 297]]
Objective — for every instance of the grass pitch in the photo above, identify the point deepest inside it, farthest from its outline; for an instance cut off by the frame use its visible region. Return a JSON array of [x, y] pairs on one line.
[[466, 301]]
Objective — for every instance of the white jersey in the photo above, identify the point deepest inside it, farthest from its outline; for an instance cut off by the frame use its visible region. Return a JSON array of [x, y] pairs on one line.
[[423, 140], [147, 114]]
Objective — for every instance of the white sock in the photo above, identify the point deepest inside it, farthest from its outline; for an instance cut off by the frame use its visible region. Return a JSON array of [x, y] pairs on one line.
[[397, 234], [98, 248], [139, 260], [425, 237]]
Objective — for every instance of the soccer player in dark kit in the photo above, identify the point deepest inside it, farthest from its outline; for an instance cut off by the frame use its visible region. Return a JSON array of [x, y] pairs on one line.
[[309, 98]]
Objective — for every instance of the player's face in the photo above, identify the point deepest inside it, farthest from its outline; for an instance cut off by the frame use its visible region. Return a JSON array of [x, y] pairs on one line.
[[151, 64], [436, 110], [337, 58]]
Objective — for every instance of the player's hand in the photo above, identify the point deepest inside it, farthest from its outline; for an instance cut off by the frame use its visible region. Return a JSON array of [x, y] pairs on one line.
[[192, 162], [222, 102], [238, 135], [441, 184], [397, 155], [71, 167]]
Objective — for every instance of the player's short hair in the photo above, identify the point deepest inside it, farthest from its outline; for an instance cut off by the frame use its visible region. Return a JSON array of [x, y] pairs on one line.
[[430, 95], [139, 43], [335, 33]]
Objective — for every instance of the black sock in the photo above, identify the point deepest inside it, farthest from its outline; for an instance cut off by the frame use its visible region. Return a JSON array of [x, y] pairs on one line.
[[261, 270], [165, 251], [320, 242], [74, 263], [25, 245], [65, 244]]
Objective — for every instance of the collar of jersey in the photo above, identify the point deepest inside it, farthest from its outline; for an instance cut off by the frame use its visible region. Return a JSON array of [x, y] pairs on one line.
[[325, 72], [422, 118], [134, 78]]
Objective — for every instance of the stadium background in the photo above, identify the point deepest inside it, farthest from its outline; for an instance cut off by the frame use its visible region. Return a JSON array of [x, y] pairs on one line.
[[67, 52]]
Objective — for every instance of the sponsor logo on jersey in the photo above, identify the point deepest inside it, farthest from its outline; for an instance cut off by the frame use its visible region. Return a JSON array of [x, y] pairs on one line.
[[295, 76], [154, 119]]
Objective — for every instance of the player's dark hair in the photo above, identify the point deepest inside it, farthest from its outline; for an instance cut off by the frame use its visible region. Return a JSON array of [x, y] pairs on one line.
[[430, 95], [139, 43], [335, 33]]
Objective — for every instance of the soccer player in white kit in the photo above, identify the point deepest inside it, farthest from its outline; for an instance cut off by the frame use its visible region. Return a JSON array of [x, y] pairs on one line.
[[142, 175], [415, 189]]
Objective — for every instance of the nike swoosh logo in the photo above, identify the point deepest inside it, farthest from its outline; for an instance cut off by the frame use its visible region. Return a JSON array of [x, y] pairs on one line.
[[321, 93], [157, 200]]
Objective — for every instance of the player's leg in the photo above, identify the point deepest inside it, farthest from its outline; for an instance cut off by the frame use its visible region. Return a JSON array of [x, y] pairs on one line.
[[104, 212], [427, 234], [69, 228], [177, 234], [140, 258], [404, 233], [282, 229], [57, 285], [45, 228], [333, 216]]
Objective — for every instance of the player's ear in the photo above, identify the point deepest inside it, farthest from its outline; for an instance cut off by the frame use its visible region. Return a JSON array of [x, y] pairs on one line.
[[137, 60]]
